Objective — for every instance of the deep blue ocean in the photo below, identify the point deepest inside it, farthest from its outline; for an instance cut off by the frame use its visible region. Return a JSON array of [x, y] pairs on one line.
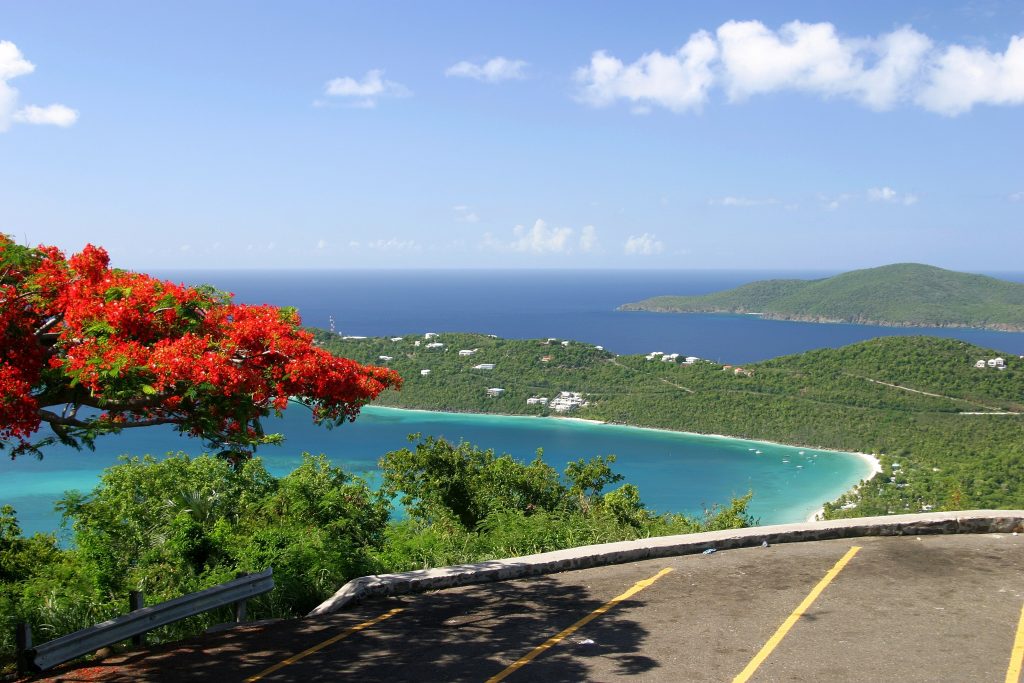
[[675, 472], [580, 305]]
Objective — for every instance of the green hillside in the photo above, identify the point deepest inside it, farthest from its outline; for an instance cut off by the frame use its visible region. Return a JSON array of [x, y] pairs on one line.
[[956, 431], [904, 294]]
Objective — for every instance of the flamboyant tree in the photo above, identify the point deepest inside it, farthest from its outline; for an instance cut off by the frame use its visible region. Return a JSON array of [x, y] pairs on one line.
[[90, 350]]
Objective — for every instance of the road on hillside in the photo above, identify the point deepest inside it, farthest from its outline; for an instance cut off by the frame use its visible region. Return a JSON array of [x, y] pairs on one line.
[[928, 608]]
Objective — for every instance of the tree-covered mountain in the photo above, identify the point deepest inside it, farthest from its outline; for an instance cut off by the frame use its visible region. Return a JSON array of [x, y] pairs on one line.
[[903, 294], [950, 435]]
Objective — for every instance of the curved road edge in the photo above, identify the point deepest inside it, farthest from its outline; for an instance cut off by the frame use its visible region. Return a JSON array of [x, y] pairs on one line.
[[961, 522]]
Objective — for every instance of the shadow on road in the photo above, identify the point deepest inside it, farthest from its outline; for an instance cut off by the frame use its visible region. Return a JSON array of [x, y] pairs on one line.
[[463, 634]]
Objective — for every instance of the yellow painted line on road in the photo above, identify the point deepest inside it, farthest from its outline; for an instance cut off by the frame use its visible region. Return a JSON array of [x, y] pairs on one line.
[[794, 617], [1017, 654], [562, 635], [330, 641]]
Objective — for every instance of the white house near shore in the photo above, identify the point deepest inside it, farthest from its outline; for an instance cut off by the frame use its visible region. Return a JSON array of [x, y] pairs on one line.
[[495, 392], [566, 401]]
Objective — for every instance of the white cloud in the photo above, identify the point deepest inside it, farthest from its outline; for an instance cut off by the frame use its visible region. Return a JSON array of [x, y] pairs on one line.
[[833, 203], [492, 71], [543, 239], [962, 77], [1017, 197], [12, 65], [364, 93], [887, 194], [392, 244], [643, 245], [12, 62], [321, 244], [881, 194], [540, 238], [742, 201], [814, 58], [53, 115], [465, 214], [747, 58], [678, 81]]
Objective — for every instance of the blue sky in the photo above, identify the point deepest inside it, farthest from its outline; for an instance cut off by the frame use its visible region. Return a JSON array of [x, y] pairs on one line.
[[515, 134]]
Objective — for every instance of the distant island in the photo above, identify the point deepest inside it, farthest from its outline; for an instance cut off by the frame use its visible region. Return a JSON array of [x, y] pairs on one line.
[[899, 295], [945, 418]]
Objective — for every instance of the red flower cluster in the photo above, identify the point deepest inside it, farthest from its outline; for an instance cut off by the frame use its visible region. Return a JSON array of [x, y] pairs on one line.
[[75, 333]]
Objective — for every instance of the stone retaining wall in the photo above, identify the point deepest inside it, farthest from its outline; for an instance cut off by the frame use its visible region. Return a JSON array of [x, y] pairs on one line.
[[966, 522]]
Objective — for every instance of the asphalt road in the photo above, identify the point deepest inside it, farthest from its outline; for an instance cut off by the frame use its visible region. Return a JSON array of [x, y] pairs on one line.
[[929, 608]]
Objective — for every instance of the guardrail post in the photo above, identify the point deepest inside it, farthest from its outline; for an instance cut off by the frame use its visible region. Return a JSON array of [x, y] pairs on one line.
[[22, 645], [136, 601], [240, 607], [240, 611]]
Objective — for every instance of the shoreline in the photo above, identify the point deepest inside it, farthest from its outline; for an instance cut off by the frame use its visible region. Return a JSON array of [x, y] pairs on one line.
[[869, 459], [799, 318], [873, 464]]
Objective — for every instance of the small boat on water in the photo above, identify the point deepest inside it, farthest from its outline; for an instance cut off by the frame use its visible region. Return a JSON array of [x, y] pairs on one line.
[[757, 452]]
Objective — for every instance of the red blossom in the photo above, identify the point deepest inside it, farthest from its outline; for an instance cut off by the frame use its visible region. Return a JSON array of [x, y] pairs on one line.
[[74, 332]]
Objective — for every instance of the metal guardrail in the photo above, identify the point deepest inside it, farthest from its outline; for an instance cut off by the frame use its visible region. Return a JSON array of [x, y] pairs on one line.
[[137, 622]]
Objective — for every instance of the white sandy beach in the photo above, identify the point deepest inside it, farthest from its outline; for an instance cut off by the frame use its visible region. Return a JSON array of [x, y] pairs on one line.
[[876, 469]]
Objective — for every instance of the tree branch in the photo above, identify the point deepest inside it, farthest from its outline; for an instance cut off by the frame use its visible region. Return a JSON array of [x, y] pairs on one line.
[[60, 423]]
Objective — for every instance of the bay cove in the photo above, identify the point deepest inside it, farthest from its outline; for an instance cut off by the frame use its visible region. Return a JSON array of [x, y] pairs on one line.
[[674, 471]]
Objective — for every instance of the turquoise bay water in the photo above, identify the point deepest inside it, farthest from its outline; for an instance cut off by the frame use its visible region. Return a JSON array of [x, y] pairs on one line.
[[675, 472]]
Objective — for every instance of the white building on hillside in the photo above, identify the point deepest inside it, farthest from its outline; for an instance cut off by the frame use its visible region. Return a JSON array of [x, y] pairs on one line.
[[566, 401], [467, 352], [495, 392], [484, 366]]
